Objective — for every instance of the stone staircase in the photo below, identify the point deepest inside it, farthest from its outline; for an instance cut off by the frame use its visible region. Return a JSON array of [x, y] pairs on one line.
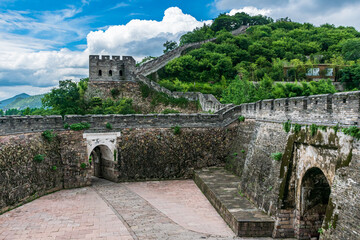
[[220, 187]]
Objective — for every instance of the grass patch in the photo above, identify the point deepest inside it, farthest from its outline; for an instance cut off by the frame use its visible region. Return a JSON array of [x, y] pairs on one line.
[[168, 111]]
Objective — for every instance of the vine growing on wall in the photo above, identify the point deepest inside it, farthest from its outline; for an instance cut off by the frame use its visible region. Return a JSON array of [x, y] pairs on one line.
[[287, 126]]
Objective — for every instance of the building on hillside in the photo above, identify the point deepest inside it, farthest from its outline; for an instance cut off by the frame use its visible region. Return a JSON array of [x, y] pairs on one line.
[[314, 72]]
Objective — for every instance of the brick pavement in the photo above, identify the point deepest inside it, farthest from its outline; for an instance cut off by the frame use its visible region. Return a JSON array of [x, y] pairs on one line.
[[148, 210]]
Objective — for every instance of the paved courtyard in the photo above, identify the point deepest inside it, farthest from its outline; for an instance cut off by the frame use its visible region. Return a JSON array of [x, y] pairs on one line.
[[144, 210]]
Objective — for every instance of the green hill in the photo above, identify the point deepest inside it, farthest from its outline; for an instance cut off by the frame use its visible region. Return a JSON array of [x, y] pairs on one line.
[[29, 102], [259, 57], [8, 101]]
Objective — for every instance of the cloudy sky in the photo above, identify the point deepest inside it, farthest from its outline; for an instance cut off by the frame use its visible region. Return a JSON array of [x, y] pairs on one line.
[[42, 41]]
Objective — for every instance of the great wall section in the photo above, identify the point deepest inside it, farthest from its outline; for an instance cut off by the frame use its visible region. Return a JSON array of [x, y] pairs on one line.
[[314, 185]]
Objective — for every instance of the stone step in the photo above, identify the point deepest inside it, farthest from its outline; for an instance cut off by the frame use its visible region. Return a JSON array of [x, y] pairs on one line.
[[220, 187]]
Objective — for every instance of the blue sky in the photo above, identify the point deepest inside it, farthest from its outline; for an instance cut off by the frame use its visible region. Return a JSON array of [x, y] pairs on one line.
[[43, 42]]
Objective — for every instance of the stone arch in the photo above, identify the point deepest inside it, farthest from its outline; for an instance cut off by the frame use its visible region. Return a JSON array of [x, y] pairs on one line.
[[110, 73], [314, 198], [102, 150], [100, 73]]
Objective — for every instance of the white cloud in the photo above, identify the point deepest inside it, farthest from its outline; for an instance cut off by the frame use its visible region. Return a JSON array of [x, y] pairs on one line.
[[252, 11], [28, 64], [141, 38], [119, 5], [318, 12]]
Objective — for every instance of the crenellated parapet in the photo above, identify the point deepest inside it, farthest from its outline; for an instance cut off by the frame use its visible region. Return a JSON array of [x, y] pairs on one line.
[[106, 68], [342, 108], [328, 109]]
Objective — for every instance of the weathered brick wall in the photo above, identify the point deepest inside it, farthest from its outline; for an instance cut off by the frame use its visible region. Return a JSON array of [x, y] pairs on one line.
[[260, 174], [161, 154], [275, 186], [21, 177], [342, 219], [73, 152]]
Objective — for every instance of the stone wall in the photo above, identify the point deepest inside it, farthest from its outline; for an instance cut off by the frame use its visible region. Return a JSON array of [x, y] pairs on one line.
[[329, 109], [162, 154], [276, 186], [23, 179]]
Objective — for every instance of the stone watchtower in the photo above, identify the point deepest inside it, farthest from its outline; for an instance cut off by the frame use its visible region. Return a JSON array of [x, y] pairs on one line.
[[114, 69]]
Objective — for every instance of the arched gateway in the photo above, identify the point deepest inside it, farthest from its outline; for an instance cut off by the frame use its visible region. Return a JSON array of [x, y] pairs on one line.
[[315, 193], [102, 154]]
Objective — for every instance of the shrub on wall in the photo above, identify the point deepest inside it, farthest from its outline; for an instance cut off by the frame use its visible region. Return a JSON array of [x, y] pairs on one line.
[[314, 128], [115, 92], [177, 130], [287, 126], [39, 158], [297, 128], [108, 126], [353, 131], [83, 165], [277, 156], [49, 135], [79, 126], [241, 118]]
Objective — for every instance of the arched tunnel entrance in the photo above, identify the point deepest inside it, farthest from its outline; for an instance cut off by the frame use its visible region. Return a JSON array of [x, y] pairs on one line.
[[102, 162], [314, 198]]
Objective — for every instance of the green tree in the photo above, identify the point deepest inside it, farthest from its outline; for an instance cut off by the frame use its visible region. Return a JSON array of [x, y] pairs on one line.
[[351, 49], [169, 46], [351, 77], [65, 98], [239, 91]]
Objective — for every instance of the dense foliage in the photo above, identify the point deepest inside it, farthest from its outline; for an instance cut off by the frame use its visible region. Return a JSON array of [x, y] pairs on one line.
[[243, 91], [260, 56]]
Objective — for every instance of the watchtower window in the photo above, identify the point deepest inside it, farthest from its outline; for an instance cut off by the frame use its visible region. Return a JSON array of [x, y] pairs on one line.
[[121, 73], [100, 73], [110, 73]]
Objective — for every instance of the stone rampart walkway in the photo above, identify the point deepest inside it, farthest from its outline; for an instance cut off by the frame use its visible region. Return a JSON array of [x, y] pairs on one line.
[[147, 210]]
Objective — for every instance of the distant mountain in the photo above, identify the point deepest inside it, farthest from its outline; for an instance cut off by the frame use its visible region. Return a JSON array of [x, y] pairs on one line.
[[6, 102], [29, 102], [22, 101]]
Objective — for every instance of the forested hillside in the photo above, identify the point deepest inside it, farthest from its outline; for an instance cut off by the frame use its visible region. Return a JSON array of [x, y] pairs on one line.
[[260, 55]]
